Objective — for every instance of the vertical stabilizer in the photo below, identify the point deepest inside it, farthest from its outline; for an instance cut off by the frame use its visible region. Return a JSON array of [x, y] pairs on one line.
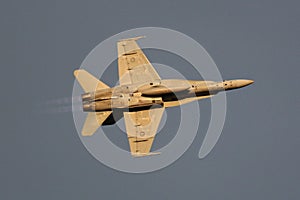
[[88, 82]]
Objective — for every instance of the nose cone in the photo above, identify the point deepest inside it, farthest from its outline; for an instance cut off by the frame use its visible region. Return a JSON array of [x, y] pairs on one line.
[[243, 82]]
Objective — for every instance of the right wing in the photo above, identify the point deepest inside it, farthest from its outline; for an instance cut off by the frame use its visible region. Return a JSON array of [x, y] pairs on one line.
[[134, 67], [141, 128]]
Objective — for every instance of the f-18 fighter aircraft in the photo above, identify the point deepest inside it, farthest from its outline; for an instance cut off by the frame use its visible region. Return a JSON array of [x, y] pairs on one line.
[[141, 97]]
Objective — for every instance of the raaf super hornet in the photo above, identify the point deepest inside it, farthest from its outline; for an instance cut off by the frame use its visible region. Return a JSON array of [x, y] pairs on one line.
[[141, 97]]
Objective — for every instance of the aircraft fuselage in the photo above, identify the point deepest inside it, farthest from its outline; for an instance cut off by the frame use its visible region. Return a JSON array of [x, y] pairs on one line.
[[168, 93]]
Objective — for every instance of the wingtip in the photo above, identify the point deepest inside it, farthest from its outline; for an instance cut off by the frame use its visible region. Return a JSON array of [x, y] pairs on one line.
[[138, 155], [76, 72], [134, 38], [87, 133]]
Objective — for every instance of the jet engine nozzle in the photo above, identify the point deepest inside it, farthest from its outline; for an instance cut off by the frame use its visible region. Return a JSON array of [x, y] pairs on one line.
[[86, 97], [97, 95]]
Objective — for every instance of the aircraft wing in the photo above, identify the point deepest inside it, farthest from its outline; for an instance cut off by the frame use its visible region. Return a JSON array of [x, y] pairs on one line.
[[141, 128], [134, 67]]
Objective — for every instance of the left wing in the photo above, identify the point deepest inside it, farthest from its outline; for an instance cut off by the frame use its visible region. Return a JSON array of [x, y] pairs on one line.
[[134, 67], [141, 127]]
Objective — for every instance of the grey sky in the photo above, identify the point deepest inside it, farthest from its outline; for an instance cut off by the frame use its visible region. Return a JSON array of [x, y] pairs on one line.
[[257, 156]]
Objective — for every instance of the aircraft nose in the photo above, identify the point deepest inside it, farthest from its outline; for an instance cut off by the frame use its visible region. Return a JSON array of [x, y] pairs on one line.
[[245, 82], [248, 82]]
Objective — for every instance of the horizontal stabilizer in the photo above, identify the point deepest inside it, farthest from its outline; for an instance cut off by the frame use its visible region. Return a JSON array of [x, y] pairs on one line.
[[93, 121]]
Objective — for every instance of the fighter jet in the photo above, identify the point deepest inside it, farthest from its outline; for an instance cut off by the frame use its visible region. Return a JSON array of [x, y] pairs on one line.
[[141, 96]]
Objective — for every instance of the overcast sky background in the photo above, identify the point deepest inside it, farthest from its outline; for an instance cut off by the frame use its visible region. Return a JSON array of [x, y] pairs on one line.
[[257, 156]]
